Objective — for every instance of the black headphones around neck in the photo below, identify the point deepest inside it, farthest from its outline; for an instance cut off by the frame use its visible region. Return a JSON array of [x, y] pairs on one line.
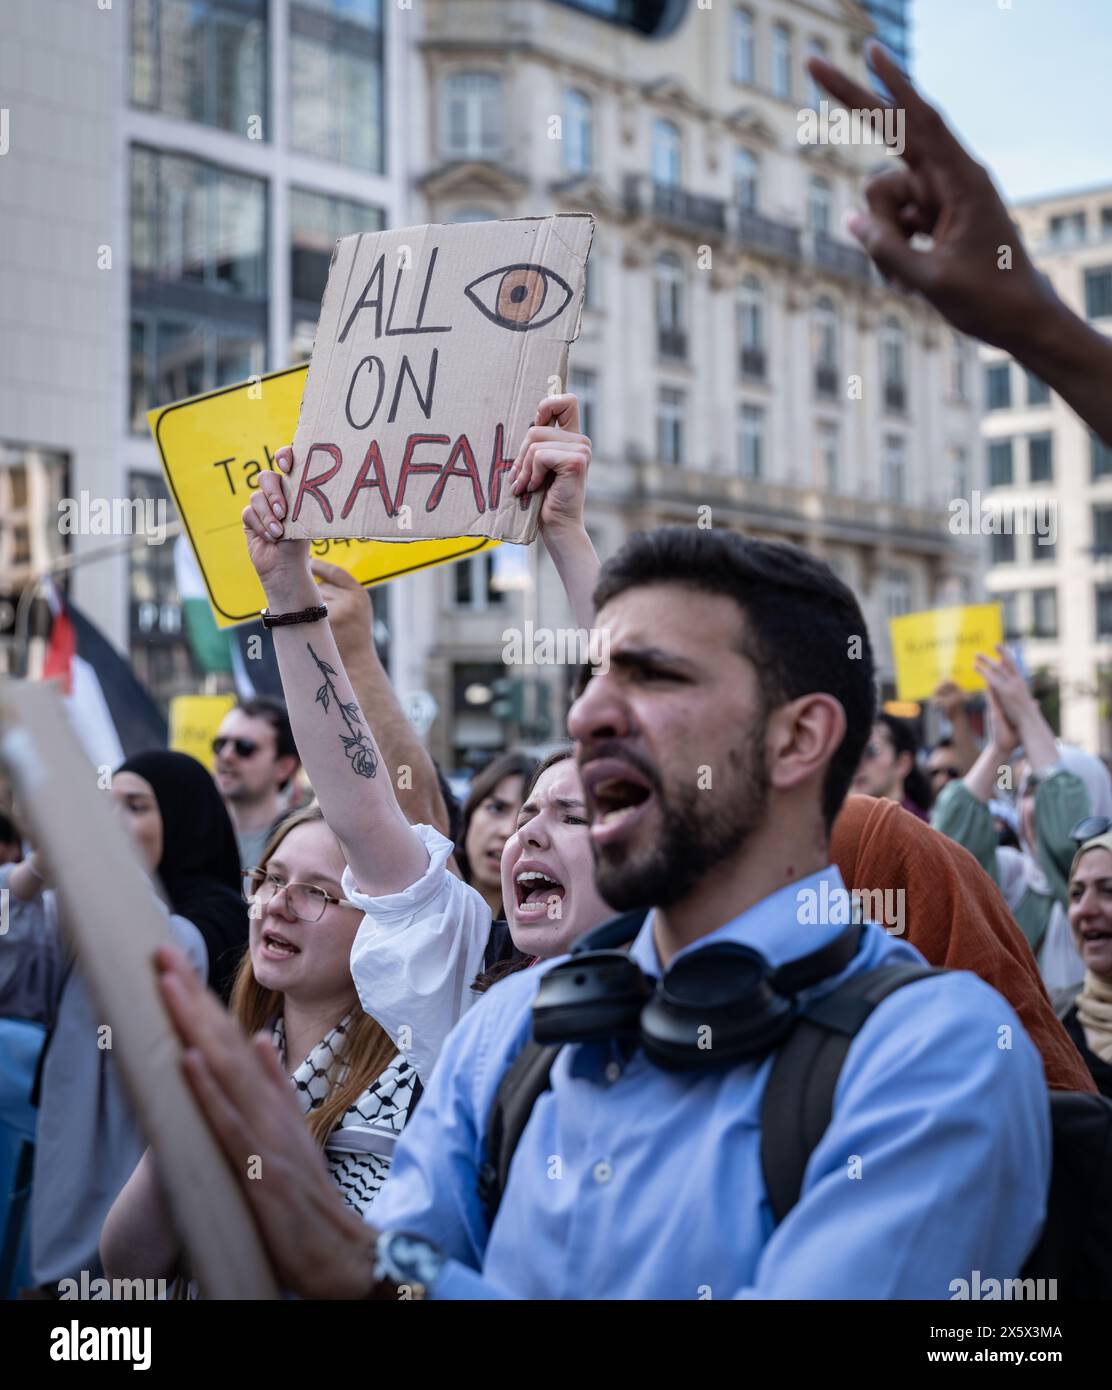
[[716, 1006]]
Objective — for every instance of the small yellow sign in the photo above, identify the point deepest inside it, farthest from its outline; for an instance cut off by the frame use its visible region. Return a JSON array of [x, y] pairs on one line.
[[213, 448], [939, 645], [194, 720]]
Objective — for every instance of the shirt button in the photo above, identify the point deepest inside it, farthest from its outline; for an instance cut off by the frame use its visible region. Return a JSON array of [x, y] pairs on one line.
[[613, 1071], [602, 1171]]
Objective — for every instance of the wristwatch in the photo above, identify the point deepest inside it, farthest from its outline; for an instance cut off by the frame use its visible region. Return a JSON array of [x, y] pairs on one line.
[[409, 1263]]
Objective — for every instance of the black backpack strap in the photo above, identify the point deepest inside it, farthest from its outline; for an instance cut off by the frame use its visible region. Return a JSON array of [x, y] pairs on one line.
[[526, 1079], [799, 1098]]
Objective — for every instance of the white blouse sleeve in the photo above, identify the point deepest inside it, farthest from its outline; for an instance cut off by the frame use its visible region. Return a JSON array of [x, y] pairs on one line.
[[416, 953]]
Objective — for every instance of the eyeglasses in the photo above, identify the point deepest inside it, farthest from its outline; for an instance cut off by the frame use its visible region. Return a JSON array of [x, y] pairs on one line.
[[244, 747], [1090, 828], [305, 900]]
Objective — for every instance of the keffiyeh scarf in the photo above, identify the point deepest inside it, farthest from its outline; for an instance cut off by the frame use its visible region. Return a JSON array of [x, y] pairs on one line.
[[360, 1149]]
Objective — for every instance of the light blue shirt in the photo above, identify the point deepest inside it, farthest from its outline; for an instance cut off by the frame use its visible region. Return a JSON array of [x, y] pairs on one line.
[[633, 1182]]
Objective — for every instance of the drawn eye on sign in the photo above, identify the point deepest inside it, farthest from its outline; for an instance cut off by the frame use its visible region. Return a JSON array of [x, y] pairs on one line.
[[519, 295]]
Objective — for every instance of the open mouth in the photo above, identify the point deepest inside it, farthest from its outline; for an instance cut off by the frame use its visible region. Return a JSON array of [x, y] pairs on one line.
[[278, 945], [618, 795], [536, 889], [1096, 934]]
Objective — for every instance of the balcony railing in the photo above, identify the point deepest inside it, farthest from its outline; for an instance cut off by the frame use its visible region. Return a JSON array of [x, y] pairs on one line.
[[671, 203], [840, 259], [753, 362], [756, 232]]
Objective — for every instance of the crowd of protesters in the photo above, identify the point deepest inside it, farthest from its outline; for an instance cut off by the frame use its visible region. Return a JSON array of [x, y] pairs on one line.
[[526, 1047]]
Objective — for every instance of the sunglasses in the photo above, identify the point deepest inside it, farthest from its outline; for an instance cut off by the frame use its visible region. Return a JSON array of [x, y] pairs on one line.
[[244, 746], [1090, 828]]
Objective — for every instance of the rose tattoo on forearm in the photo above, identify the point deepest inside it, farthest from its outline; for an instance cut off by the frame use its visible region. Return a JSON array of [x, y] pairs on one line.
[[359, 748]]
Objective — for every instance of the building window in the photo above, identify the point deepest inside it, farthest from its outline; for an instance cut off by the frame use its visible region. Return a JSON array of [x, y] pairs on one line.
[[827, 472], [671, 414], [1000, 469], [32, 483], [584, 385], [751, 441], [1043, 550], [1040, 458], [959, 368], [1002, 550], [893, 359], [578, 132], [1045, 607], [205, 61], [317, 222], [1102, 530], [1038, 392], [894, 482], [1098, 293], [1009, 604], [959, 470], [160, 652], [671, 335], [745, 66], [465, 215], [474, 583], [1104, 610], [747, 173], [816, 48], [998, 386], [820, 200], [824, 347], [336, 89], [472, 115], [592, 285], [751, 327], [897, 593], [198, 278], [667, 163], [1100, 457], [781, 61], [1067, 230]]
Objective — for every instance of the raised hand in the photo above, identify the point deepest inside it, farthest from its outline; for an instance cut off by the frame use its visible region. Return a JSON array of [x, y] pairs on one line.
[[556, 457], [281, 565], [350, 614], [977, 273]]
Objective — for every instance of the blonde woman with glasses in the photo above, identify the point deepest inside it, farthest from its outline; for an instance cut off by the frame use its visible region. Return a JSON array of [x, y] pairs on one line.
[[354, 1087]]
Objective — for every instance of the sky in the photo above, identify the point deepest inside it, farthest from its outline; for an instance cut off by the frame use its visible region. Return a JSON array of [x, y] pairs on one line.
[[1025, 84]]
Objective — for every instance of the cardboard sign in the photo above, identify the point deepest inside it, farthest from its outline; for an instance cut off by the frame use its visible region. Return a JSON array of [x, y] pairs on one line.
[[939, 645], [114, 925], [213, 448], [435, 345], [194, 720]]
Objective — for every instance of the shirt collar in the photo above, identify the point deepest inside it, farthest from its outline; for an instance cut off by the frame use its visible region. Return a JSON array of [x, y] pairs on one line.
[[797, 919]]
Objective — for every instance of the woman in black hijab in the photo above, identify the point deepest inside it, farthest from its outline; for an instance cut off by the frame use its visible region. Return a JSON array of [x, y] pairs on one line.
[[199, 863]]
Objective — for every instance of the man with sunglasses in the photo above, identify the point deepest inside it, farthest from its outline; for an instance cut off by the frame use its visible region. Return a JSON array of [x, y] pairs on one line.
[[255, 761]]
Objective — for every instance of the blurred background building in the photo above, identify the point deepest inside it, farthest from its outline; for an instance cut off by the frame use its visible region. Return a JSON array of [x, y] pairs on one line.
[[737, 352], [1057, 599]]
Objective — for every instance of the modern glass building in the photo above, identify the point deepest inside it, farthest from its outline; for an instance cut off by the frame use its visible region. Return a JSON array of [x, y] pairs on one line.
[[893, 26]]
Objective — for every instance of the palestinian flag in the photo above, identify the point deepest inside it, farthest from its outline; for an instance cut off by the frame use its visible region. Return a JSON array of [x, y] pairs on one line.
[[111, 711], [209, 642]]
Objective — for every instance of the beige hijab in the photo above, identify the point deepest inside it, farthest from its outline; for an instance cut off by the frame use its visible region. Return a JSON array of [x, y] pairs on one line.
[[1094, 1003]]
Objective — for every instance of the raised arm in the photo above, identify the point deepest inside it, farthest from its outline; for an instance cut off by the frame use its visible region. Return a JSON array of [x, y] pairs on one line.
[[351, 618], [139, 1240], [555, 456], [337, 746], [976, 271]]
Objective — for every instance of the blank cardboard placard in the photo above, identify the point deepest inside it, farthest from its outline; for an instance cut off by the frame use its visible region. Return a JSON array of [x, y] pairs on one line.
[[434, 347], [214, 447], [115, 925]]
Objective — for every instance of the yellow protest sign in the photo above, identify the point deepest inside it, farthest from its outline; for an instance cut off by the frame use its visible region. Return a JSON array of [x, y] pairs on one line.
[[939, 645], [213, 448], [194, 720]]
